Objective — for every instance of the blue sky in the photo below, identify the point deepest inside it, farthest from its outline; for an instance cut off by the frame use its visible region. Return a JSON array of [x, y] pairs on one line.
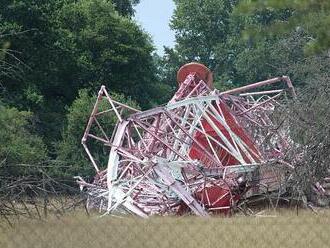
[[154, 17]]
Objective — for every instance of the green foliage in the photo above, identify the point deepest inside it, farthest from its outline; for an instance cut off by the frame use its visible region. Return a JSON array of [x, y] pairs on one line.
[[63, 46], [49, 50], [19, 146], [70, 151], [271, 58], [312, 16], [199, 27], [52, 49], [213, 32], [109, 49], [125, 7]]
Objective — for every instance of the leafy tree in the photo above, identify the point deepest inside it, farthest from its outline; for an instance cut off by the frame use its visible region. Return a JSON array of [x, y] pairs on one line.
[[69, 45], [110, 49], [43, 83], [270, 58], [70, 151], [213, 32], [312, 16], [125, 7], [199, 26], [20, 147]]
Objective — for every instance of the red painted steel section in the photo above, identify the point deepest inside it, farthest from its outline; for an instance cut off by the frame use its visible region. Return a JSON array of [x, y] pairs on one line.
[[217, 198], [220, 197], [226, 158], [152, 165], [196, 68]]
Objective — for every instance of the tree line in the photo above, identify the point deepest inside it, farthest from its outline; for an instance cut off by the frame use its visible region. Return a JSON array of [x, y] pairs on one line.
[[55, 54]]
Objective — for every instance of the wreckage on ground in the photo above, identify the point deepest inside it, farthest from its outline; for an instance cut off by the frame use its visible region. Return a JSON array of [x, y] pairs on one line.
[[204, 152]]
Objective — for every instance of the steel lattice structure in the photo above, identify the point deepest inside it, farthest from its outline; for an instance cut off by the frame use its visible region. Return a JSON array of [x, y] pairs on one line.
[[203, 152]]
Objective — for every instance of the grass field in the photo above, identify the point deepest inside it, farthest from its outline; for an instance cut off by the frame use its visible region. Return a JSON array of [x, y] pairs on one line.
[[285, 230]]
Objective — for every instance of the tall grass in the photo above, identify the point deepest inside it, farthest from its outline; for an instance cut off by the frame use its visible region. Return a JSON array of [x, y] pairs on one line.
[[285, 230]]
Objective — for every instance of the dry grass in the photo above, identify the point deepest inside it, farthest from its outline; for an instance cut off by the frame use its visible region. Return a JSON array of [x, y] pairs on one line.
[[285, 230]]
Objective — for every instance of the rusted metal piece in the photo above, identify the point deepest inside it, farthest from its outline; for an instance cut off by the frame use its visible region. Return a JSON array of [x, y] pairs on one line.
[[203, 152]]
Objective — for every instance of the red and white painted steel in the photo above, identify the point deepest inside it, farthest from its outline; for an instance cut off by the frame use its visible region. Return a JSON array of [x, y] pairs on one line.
[[200, 153]]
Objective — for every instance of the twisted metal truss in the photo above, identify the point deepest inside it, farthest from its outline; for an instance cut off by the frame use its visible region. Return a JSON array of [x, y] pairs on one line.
[[203, 152]]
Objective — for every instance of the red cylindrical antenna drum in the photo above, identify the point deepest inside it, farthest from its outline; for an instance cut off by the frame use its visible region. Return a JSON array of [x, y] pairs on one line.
[[201, 70]]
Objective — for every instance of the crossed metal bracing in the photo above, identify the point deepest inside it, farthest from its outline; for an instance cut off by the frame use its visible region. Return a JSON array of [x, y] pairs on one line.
[[201, 152]]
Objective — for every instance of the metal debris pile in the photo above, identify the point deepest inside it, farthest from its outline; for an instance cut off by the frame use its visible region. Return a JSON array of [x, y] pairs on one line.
[[205, 151]]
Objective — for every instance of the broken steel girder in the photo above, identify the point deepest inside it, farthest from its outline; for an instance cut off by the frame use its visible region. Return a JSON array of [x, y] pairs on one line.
[[202, 152]]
